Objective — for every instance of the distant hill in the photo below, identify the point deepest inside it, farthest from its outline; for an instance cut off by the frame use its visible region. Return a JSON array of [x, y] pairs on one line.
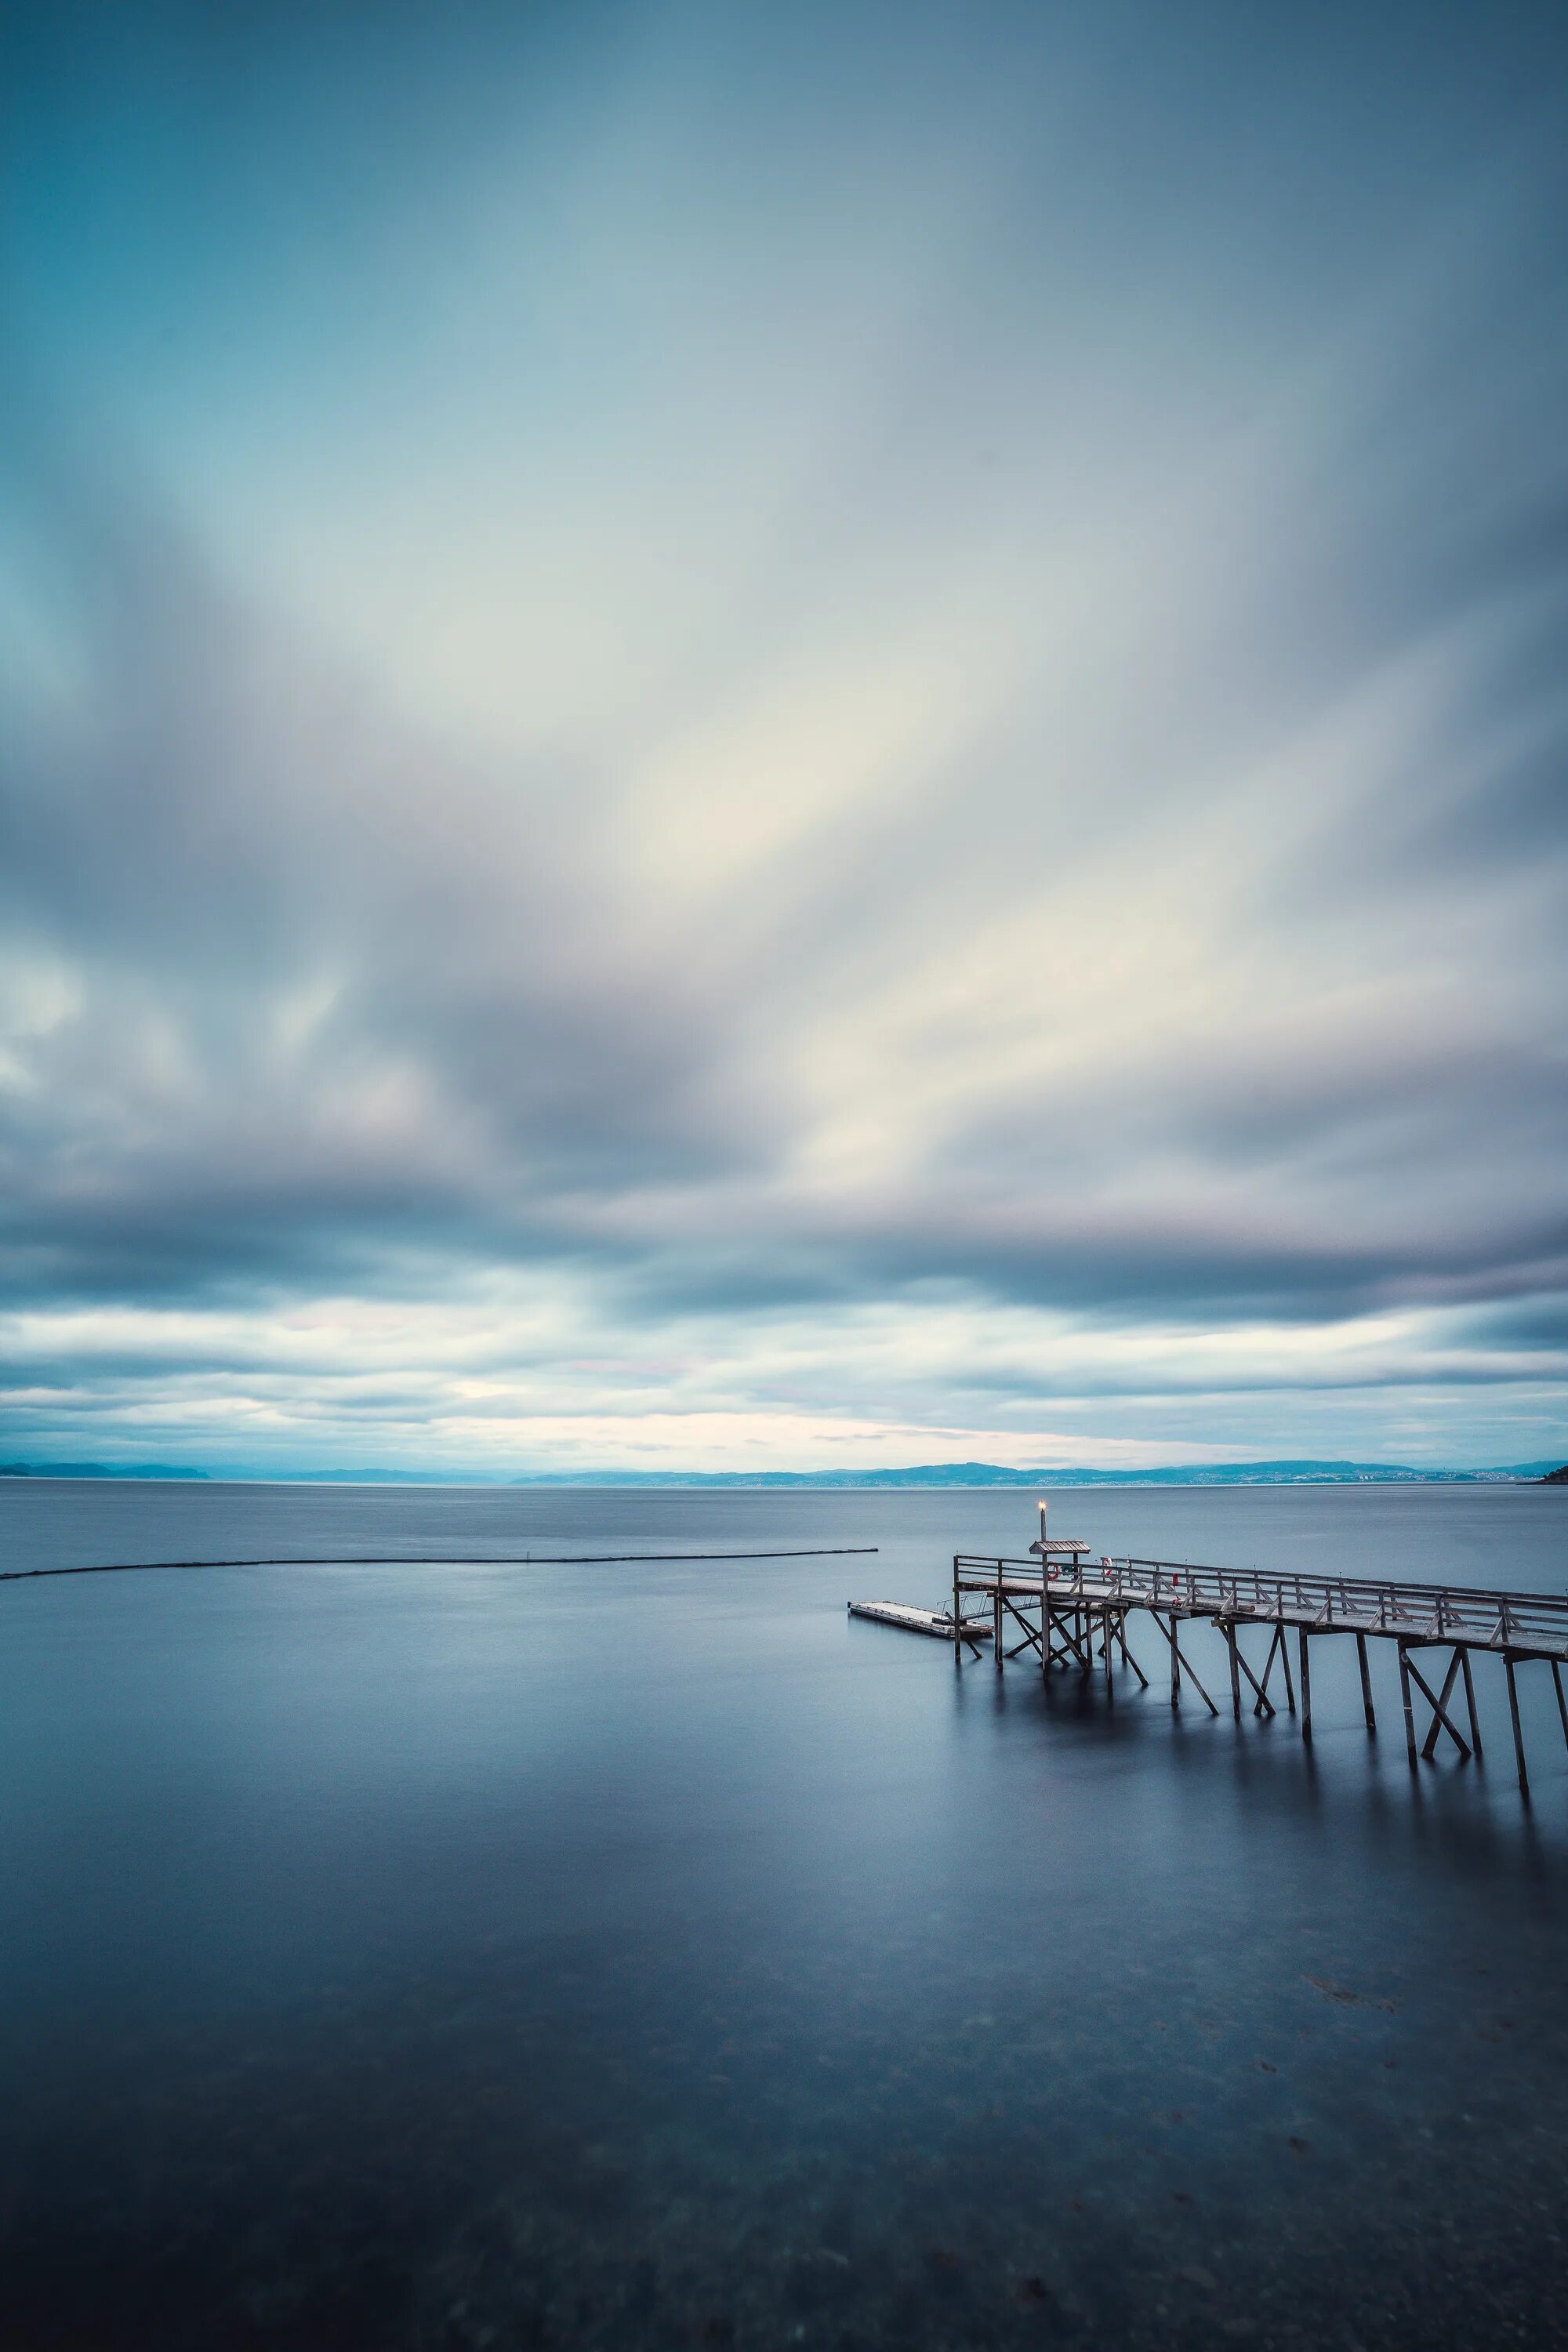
[[380, 1479], [991, 1474], [98, 1470], [1556, 1477]]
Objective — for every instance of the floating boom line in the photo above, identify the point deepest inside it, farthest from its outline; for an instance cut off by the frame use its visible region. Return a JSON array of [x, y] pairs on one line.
[[430, 1559]]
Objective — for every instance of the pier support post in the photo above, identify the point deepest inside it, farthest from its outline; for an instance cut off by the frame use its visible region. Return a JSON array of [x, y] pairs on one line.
[[1409, 1711], [1471, 1701], [996, 1621], [1518, 1734], [1180, 1665], [1305, 1685], [1365, 1682], [1562, 1701], [1234, 1670]]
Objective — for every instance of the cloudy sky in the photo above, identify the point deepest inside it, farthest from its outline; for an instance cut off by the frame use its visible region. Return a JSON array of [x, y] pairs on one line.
[[782, 736]]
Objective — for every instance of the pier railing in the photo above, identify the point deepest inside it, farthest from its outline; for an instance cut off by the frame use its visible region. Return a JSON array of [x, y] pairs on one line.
[[1416, 1612]]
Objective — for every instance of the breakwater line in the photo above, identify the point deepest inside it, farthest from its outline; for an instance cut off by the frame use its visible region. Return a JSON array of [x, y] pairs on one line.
[[431, 1560]]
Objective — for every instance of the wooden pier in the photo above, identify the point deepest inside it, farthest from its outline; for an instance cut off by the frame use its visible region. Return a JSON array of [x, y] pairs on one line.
[[1071, 1612]]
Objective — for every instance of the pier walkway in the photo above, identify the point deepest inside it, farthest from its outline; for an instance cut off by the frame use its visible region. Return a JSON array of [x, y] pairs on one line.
[[1071, 1611]]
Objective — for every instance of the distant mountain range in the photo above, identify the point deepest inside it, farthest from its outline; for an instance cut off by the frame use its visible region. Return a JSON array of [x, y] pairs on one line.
[[98, 1470], [930, 1474], [991, 1474]]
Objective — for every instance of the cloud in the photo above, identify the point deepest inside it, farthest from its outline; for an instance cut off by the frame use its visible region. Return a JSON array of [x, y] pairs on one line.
[[882, 743]]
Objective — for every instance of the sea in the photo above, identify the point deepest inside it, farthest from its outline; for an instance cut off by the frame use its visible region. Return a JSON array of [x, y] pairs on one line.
[[639, 1951]]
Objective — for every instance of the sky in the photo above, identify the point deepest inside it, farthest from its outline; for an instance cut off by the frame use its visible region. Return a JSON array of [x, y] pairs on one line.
[[754, 737]]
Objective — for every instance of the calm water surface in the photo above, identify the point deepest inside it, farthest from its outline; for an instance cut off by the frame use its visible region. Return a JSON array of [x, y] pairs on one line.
[[449, 1957]]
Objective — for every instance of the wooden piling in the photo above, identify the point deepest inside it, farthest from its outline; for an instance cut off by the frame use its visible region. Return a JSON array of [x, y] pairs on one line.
[[1365, 1682], [1470, 1702], [1263, 1704], [1409, 1711], [1186, 1665], [1518, 1734], [1305, 1685]]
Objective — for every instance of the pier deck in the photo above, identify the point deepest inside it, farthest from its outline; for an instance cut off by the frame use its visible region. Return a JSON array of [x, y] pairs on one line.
[[1071, 1611]]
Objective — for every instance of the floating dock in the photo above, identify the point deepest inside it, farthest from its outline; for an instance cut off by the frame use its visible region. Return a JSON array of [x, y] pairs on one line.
[[935, 1622], [1070, 1611]]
